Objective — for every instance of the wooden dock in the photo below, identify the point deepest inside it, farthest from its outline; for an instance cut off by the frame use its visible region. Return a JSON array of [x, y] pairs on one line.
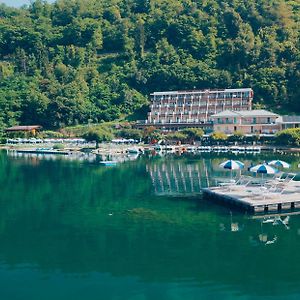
[[36, 151], [255, 199]]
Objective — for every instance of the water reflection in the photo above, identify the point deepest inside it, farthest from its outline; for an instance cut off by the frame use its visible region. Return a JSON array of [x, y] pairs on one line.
[[83, 225], [179, 178], [74, 156]]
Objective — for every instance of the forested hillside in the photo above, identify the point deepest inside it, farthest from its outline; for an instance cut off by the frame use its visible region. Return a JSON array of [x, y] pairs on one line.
[[76, 61]]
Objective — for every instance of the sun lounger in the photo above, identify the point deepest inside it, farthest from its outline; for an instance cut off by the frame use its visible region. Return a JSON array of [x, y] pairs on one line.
[[275, 187], [242, 181], [281, 183]]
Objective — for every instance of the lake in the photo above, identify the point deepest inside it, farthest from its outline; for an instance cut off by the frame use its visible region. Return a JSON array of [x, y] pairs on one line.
[[139, 230]]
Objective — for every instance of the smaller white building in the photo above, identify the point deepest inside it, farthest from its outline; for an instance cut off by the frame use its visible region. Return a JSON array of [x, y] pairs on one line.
[[286, 122], [246, 121]]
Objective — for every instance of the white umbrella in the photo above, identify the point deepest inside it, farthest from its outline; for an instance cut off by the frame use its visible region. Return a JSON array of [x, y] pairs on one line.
[[279, 163], [232, 165], [263, 169]]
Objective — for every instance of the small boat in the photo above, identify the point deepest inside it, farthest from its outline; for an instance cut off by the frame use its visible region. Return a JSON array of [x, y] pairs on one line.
[[133, 150], [108, 163], [191, 149]]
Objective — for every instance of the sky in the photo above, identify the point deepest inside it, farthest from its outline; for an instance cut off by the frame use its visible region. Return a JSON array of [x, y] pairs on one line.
[[16, 3]]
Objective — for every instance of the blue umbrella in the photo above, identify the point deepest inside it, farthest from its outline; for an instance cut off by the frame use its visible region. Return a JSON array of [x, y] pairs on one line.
[[279, 163], [232, 165], [263, 169]]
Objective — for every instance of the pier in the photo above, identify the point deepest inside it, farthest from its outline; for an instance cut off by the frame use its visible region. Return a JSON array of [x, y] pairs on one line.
[[39, 151], [256, 200]]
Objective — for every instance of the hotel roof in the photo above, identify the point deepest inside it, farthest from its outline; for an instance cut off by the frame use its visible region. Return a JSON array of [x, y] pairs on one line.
[[203, 91], [245, 113]]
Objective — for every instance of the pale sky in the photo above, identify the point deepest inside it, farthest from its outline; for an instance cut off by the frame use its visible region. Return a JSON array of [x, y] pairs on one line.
[[17, 3]]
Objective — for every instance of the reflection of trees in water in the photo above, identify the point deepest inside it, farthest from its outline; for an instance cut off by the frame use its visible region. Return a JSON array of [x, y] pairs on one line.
[[179, 177], [80, 219]]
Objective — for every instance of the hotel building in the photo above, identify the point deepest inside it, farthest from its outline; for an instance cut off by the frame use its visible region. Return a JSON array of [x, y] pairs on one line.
[[247, 122], [175, 110]]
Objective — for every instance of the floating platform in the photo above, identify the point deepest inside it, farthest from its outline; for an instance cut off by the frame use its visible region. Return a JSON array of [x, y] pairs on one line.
[[36, 151], [256, 200]]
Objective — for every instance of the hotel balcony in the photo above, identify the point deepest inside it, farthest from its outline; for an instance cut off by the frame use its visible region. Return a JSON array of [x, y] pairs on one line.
[[226, 122]]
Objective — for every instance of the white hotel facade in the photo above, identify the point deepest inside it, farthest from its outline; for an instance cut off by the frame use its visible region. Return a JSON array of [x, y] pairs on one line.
[[173, 110]]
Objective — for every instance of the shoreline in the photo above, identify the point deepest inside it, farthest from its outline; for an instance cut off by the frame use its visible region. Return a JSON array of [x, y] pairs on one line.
[[111, 148]]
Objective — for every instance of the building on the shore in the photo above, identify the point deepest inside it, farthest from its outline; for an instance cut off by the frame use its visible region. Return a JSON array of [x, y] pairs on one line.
[[287, 122], [175, 110], [23, 130], [246, 121]]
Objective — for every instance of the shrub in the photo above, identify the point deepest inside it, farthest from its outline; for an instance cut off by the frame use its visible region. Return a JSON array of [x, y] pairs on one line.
[[193, 134], [176, 136], [151, 134], [289, 136], [218, 136], [129, 133], [50, 134], [58, 147], [98, 136], [237, 136]]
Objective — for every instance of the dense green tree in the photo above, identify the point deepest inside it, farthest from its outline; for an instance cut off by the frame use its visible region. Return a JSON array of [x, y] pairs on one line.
[[289, 136], [78, 61], [193, 134], [98, 136], [177, 136]]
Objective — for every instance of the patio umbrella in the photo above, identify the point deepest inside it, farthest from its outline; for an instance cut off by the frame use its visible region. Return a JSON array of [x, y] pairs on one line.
[[232, 165], [263, 169], [279, 164]]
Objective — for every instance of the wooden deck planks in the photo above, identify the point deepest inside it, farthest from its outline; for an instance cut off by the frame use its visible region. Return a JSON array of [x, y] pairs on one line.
[[256, 199]]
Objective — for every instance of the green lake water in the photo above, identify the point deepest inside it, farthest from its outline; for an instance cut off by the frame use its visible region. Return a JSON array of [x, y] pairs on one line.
[[140, 231]]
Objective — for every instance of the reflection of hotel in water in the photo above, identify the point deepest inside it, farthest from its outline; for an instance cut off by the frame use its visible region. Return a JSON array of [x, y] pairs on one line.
[[178, 177]]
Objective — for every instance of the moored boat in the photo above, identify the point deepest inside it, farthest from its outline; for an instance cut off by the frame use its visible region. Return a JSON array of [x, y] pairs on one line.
[[133, 150], [108, 163]]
